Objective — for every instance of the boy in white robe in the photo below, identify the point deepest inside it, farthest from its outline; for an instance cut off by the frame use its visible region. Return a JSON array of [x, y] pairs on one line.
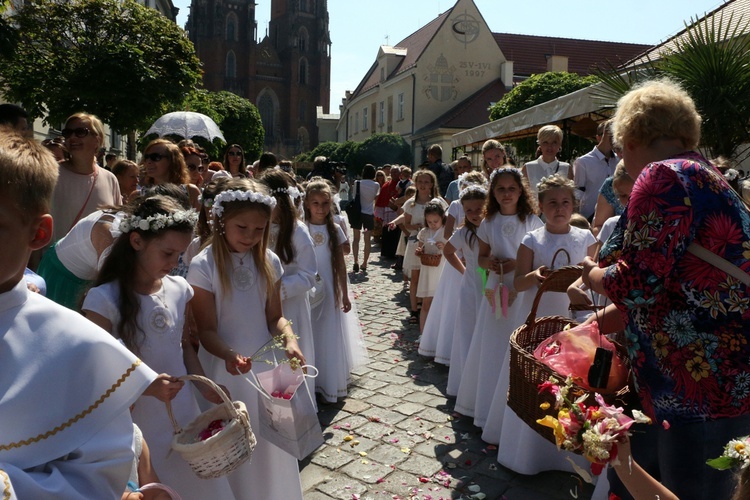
[[65, 384]]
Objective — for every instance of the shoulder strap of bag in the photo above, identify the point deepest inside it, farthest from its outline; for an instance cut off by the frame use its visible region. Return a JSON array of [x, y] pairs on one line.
[[719, 262]]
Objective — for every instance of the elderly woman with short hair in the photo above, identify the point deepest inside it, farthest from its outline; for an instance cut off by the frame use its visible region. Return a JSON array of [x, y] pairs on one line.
[[686, 320]]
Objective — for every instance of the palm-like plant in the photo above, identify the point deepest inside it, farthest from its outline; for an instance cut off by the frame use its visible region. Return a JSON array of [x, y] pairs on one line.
[[711, 60]]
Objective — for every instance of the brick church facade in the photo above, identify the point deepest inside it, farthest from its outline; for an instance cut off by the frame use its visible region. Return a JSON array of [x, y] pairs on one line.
[[286, 75]]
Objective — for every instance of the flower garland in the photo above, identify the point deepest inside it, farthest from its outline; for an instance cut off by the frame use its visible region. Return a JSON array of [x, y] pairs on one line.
[[292, 191], [156, 222], [473, 188], [736, 454], [505, 170], [594, 431], [236, 195]]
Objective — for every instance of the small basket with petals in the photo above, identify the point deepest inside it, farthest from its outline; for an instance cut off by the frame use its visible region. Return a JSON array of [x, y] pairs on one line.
[[430, 259], [225, 450]]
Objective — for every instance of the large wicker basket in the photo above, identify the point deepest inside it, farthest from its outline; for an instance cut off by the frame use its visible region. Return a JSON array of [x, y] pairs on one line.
[[223, 452], [430, 259], [526, 372]]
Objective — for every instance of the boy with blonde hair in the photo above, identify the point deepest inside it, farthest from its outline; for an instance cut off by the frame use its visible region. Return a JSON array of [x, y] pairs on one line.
[[65, 385]]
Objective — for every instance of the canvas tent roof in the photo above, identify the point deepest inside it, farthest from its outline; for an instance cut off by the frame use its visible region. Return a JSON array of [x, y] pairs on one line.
[[575, 109]]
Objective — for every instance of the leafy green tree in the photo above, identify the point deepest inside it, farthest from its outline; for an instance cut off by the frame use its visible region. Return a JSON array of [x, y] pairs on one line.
[[712, 62], [538, 89], [379, 149], [346, 152], [114, 58], [326, 149]]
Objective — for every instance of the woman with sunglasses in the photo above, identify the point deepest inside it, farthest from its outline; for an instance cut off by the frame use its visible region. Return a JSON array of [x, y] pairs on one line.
[[164, 164], [194, 163], [82, 185], [234, 161]]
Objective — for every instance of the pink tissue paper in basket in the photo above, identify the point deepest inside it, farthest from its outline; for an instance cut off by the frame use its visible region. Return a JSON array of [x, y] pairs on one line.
[[571, 352]]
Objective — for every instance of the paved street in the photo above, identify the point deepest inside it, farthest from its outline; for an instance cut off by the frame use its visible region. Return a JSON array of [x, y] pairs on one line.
[[396, 436]]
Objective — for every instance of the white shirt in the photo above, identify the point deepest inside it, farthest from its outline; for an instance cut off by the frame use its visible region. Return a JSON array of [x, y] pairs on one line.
[[539, 168], [368, 191], [590, 171]]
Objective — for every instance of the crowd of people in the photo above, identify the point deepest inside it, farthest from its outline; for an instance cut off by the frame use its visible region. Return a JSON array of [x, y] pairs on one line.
[[179, 265]]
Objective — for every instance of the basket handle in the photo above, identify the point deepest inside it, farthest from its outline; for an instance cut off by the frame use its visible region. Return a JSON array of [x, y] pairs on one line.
[[554, 282], [554, 257], [159, 486], [255, 382], [198, 378]]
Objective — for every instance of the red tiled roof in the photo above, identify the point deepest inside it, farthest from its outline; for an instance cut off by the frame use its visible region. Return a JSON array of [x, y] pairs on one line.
[[528, 52], [473, 111], [414, 45]]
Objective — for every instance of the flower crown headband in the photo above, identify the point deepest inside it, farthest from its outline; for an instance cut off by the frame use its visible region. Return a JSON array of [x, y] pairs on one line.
[[736, 454], [292, 191], [124, 223], [473, 188], [236, 195], [505, 170]]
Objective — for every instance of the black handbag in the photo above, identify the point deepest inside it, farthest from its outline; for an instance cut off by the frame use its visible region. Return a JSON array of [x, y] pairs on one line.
[[354, 209]]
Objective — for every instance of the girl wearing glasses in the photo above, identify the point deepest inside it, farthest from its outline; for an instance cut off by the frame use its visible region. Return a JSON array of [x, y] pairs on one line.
[[234, 161], [82, 186], [164, 164]]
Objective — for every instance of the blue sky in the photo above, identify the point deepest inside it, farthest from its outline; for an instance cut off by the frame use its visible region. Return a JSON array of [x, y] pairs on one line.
[[359, 27]]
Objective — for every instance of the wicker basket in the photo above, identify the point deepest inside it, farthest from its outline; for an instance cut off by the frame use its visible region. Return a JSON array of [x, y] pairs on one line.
[[225, 451], [527, 372], [552, 267], [430, 259]]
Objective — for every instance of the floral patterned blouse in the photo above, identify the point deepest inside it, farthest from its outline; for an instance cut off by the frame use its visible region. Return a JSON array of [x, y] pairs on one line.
[[688, 323]]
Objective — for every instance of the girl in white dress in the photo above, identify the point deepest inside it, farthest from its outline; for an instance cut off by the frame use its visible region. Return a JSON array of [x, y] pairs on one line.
[[437, 334], [430, 241], [509, 215], [466, 241], [237, 308], [427, 189], [291, 242], [136, 300], [329, 323], [520, 448]]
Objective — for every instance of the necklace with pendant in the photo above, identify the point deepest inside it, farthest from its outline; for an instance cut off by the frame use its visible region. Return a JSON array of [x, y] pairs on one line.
[[243, 278]]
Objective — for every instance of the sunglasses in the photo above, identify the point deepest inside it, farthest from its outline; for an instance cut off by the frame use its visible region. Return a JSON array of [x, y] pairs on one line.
[[193, 168], [154, 156], [78, 132], [234, 153]]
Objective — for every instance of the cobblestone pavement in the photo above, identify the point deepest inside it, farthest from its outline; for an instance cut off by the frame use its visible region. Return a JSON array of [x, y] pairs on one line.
[[396, 435]]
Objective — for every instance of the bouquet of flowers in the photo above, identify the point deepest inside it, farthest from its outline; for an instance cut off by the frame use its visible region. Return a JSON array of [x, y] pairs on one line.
[[592, 431], [275, 343], [736, 454]]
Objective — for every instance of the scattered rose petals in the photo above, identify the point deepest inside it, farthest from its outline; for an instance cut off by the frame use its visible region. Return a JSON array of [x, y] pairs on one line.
[[491, 447], [424, 480], [394, 440], [493, 467], [665, 424], [450, 465], [337, 427], [355, 496], [467, 462]]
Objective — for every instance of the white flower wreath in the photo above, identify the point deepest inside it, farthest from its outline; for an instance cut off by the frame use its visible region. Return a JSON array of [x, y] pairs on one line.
[[473, 188], [505, 170], [235, 195], [127, 223]]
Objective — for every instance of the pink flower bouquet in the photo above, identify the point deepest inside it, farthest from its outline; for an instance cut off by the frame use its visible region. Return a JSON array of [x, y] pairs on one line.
[[592, 431]]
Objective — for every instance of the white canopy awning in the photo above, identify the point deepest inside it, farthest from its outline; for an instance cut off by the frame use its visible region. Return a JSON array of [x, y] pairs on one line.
[[574, 106]]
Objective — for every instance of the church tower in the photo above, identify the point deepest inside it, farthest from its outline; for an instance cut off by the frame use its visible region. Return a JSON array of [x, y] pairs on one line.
[[286, 74]]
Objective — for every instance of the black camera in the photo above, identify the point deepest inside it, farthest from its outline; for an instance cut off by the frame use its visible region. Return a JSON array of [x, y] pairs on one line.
[[336, 167], [599, 370]]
